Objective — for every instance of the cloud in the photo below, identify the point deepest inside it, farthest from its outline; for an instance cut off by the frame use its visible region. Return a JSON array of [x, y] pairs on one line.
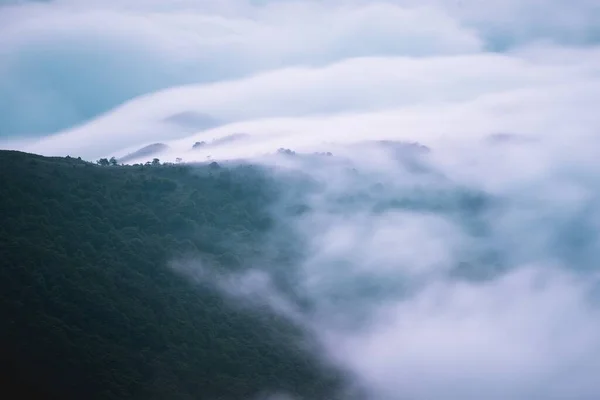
[[53, 79], [391, 308], [425, 285], [388, 97], [529, 334]]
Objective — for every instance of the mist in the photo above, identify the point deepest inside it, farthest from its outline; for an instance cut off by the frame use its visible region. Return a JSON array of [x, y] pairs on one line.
[[448, 245], [434, 283]]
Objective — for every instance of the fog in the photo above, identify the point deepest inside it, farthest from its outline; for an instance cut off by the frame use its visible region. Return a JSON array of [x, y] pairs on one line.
[[427, 281], [466, 271]]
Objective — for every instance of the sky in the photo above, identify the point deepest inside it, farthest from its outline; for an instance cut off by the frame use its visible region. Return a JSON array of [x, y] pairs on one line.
[[106, 78]]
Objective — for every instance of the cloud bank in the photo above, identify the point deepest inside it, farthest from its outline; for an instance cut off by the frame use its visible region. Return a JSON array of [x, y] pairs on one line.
[[466, 272], [64, 73]]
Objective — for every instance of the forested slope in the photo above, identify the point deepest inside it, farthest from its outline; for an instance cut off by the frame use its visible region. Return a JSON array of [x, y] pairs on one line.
[[90, 308]]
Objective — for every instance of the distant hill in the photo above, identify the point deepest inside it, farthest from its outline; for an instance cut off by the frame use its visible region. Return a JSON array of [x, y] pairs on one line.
[[144, 152]]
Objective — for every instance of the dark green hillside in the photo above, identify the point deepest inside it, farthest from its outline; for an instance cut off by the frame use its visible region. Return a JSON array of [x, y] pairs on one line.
[[89, 308]]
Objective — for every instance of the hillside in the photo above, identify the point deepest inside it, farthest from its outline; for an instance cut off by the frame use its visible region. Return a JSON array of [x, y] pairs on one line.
[[90, 308]]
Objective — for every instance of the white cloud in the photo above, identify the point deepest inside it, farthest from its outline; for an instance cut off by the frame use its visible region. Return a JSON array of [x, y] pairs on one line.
[[525, 335], [50, 70], [387, 97], [387, 306]]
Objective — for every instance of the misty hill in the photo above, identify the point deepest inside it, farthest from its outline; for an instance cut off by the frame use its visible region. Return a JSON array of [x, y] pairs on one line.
[[218, 142], [90, 308], [146, 151]]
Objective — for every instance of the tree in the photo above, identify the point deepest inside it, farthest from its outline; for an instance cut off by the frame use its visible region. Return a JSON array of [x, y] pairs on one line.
[[286, 152], [155, 161], [113, 161], [103, 162]]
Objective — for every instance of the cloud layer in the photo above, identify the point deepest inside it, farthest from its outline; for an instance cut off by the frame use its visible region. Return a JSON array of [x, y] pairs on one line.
[[453, 280], [62, 68]]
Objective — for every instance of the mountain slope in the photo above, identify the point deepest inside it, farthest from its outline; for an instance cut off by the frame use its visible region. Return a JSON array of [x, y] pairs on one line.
[[91, 309]]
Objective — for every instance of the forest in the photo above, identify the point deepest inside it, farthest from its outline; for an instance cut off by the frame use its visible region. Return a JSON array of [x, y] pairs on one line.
[[91, 309]]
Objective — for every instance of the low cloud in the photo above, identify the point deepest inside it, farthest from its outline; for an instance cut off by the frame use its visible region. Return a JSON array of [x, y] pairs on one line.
[[398, 98], [425, 284]]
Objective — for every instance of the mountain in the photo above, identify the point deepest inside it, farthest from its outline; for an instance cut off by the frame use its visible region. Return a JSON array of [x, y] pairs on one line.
[[92, 309], [146, 151]]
